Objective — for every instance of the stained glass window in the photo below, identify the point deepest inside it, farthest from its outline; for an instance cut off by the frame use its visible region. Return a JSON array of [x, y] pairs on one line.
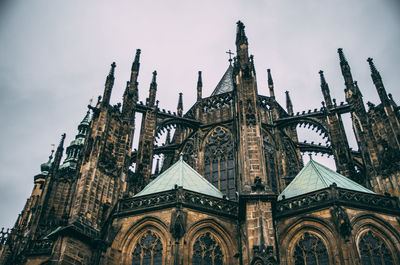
[[148, 250], [310, 251], [207, 251], [374, 251], [219, 166]]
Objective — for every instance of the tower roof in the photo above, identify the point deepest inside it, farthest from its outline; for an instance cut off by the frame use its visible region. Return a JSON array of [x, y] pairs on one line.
[[183, 175], [315, 176], [225, 84]]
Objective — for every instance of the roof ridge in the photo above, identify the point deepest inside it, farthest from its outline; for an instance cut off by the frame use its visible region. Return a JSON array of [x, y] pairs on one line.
[[318, 173]]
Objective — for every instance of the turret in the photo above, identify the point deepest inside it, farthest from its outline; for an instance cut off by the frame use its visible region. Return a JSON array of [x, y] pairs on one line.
[[376, 78], [289, 105], [345, 67], [153, 90], [270, 84], [199, 87], [75, 147], [180, 105], [325, 90], [108, 86]]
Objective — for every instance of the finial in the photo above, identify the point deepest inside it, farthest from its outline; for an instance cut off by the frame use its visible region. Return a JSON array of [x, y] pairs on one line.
[[180, 104], [270, 81], [51, 152], [240, 34], [90, 101], [62, 140], [341, 56], [321, 73], [374, 73], [112, 70], [310, 155], [181, 156], [230, 56], [136, 64], [154, 77], [199, 87]]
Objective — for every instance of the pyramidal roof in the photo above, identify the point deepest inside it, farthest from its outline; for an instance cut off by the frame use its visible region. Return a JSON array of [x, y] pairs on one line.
[[226, 83], [315, 176], [183, 175]]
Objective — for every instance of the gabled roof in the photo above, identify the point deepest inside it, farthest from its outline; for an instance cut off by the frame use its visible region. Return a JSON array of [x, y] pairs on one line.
[[183, 175], [315, 176], [226, 83]]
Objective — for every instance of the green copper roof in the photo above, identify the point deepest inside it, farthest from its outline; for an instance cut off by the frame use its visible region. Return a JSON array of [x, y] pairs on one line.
[[180, 174], [315, 176]]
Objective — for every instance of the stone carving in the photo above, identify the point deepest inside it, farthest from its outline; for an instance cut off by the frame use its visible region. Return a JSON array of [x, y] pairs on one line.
[[178, 223], [341, 221]]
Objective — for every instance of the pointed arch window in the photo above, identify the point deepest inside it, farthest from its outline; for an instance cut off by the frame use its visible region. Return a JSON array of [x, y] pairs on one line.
[[310, 251], [207, 251], [270, 164], [148, 250], [374, 251], [219, 161]]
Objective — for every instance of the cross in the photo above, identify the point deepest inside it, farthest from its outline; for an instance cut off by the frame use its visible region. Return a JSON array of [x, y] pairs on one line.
[[230, 55]]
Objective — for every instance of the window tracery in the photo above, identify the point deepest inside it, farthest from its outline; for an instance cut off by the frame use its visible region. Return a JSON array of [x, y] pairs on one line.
[[148, 250], [374, 251], [189, 153], [310, 250], [207, 251], [219, 161]]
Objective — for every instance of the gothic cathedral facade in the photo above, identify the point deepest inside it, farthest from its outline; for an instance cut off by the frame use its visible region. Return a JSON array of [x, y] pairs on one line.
[[232, 187]]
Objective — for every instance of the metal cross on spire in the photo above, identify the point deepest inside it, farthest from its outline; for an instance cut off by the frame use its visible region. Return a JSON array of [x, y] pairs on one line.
[[230, 56]]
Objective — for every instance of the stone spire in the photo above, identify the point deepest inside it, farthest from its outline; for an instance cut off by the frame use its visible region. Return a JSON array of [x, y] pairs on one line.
[[289, 105], [241, 45], [58, 155], [270, 84], [199, 87], [346, 72], [108, 86], [131, 94], [180, 105], [376, 78], [325, 90], [153, 89]]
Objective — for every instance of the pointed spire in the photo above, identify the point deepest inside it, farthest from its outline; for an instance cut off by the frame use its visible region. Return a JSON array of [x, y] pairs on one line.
[[289, 105], [108, 86], [325, 90], [241, 45], [180, 105], [345, 67], [270, 84], [376, 78], [199, 87], [153, 89], [240, 34], [58, 155], [136, 63]]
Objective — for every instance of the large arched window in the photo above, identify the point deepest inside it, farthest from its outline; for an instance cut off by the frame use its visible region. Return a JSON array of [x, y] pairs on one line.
[[310, 251], [148, 250], [374, 251], [219, 163], [207, 251]]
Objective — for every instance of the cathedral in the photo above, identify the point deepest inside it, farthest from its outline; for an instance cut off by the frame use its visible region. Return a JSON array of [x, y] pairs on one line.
[[221, 183]]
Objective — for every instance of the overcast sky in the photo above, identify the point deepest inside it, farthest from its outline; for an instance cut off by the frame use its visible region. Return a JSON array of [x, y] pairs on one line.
[[55, 55]]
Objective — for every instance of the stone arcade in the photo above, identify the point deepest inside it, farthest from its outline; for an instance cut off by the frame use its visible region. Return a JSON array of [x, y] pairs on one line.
[[232, 187]]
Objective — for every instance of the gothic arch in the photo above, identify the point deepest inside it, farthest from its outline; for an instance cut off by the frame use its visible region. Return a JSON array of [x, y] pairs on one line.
[[384, 231], [126, 241], [291, 235], [219, 233]]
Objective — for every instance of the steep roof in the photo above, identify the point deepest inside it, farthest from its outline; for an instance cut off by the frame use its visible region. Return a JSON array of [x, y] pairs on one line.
[[226, 82], [180, 174], [315, 176]]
